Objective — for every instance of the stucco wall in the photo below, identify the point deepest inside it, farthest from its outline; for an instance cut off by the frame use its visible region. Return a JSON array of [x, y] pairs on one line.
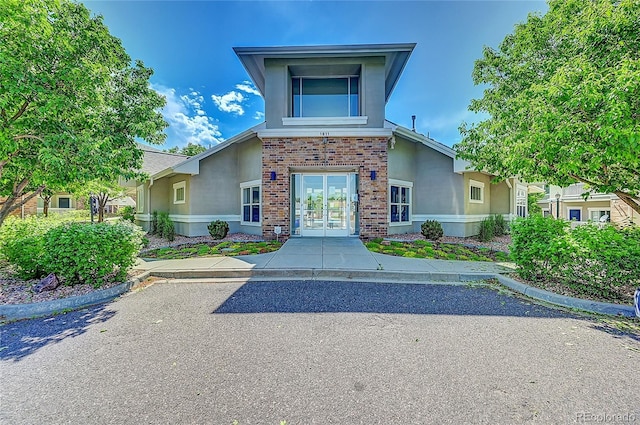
[[278, 86], [500, 198], [436, 188], [472, 208]]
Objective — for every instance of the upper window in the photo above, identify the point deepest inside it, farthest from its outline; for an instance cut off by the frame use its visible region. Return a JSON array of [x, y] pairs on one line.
[[325, 97], [250, 202], [179, 192], [400, 202], [476, 192]]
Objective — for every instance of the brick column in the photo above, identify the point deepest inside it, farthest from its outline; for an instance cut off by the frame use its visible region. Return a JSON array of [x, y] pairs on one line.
[[280, 155]]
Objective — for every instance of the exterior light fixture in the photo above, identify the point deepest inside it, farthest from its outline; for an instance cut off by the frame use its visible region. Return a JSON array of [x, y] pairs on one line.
[[373, 174], [557, 205], [273, 175]]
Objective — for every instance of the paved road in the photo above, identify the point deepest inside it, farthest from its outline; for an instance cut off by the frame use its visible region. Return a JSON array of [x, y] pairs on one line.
[[309, 352]]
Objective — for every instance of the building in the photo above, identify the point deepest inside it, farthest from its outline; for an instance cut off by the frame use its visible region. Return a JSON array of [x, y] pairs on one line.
[[571, 204], [326, 161]]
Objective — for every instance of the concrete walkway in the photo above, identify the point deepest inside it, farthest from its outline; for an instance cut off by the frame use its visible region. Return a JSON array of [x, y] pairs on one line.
[[323, 257]]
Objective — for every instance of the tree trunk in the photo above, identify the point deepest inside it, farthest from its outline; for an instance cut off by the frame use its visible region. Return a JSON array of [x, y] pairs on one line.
[[16, 200], [103, 198], [45, 208], [634, 203]]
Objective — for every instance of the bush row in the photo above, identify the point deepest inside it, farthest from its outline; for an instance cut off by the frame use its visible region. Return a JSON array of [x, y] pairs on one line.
[[76, 252], [590, 259]]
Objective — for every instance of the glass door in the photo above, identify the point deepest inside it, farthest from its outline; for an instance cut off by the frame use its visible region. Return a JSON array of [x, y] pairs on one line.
[[313, 205], [324, 205]]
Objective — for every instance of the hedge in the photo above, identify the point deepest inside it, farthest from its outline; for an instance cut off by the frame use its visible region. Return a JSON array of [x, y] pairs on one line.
[[590, 259]]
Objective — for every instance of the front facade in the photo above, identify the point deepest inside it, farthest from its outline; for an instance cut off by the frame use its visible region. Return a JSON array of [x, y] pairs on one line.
[[569, 203], [326, 162]]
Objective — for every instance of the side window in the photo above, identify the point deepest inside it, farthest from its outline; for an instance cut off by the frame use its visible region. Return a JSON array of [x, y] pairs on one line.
[[251, 202]]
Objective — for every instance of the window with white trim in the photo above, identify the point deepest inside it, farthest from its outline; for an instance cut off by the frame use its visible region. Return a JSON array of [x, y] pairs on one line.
[[521, 202], [140, 199], [602, 215], [180, 192], [251, 202], [476, 192], [400, 202]]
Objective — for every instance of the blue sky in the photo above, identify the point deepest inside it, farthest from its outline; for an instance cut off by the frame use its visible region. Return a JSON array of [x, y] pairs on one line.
[[209, 95]]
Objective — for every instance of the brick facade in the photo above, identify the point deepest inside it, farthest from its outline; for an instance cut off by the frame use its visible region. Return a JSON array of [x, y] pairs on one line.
[[361, 154], [29, 208]]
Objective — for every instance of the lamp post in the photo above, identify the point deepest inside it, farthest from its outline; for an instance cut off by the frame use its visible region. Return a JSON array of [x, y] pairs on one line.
[[557, 205]]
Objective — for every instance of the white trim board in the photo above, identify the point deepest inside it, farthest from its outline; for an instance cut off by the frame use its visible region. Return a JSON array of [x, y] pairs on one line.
[[455, 218]]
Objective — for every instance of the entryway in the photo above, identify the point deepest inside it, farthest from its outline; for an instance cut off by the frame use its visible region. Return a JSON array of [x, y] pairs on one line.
[[324, 204]]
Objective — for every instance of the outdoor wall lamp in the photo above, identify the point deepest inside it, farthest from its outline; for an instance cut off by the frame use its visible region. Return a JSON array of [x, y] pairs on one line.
[[373, 174], [273, 175], [557, 205]]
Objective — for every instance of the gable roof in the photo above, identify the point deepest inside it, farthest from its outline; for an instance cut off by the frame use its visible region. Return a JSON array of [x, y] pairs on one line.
[[396, 57], [155, 160]]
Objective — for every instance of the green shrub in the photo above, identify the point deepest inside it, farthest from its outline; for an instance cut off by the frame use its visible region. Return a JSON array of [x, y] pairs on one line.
[[487, 229], [432, 230], [127, 213], [153, 229], [92, 253], [165, 227], [538, 244], [22, 243], [500, 226], [589, 259], [218, 229]]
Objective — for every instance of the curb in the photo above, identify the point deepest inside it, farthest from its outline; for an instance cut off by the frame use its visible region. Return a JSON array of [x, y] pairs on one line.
[[564, 301], [323, 274], [11, 312]]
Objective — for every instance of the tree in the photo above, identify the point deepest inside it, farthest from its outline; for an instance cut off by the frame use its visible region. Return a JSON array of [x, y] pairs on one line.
[[71, 102], [191, 149], [563, 99], [102, 190]]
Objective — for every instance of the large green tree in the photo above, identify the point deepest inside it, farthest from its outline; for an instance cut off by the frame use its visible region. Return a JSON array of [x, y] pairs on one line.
[[192, 149], [72, 103], [563, 99]]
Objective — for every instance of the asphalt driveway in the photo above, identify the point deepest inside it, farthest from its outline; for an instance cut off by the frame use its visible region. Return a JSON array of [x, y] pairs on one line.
[[309, 352]]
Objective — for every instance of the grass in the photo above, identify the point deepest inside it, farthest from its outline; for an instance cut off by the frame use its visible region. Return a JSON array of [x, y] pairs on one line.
[[212, 250], [436, 250]]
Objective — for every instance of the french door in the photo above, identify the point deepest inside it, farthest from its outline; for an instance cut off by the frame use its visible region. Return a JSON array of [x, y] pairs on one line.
[[325, 204]]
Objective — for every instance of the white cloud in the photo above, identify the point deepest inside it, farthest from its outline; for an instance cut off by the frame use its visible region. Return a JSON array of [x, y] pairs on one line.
[[259, 115], [248, 87], [230, 102], [187, 120]]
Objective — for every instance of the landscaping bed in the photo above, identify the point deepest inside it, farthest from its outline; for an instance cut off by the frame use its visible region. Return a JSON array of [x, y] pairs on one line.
[[436, 250], [210, 249]]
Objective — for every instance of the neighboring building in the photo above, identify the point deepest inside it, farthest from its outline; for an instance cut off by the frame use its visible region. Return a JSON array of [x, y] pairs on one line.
[[326, 162], [597, 207], [60, 203]]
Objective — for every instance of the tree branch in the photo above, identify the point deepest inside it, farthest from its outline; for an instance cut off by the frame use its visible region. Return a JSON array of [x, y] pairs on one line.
[[21, 110]]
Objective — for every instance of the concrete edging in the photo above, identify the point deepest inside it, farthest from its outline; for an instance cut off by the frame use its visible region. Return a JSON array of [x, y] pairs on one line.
[[10, 312], [564, 301]]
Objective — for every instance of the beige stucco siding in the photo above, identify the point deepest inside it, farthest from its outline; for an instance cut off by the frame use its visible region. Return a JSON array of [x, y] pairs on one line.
[[500, 198], [473, 208]]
